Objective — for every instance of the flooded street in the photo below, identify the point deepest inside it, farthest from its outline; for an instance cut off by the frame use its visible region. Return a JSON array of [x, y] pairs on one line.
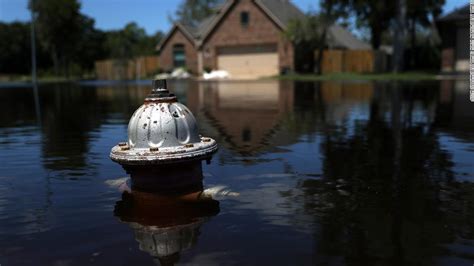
[[307, 173]]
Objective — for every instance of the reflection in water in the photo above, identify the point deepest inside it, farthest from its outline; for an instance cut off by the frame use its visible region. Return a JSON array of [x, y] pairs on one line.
[[374, 173], [386, 185], [166, 208], [166, 225], [245, 115], [370, 188], [386, 179], [37, 103]]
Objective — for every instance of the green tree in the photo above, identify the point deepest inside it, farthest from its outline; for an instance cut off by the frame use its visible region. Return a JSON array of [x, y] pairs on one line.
[[399, 36], [14, 56], [375, 15], [15, 47], [90, 46], [394, 17], [130, 42], [123, 43], [421, 15], [309, 34], [192, 12], [59, 27]]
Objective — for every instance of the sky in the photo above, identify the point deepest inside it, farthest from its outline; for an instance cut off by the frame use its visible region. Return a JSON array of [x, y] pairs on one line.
[[152, 15]]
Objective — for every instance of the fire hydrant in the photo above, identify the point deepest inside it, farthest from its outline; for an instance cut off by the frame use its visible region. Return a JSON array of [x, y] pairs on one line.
[[164, 149]]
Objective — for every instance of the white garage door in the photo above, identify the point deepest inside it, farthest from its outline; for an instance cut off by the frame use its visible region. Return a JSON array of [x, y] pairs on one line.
[[248, 62]]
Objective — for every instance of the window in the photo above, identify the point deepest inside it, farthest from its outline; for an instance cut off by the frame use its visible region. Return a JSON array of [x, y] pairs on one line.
[[179, 56], [244, 19]]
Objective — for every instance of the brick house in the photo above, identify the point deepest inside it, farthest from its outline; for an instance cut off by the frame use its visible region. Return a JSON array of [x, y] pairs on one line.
[[454, 32], [244, 37]]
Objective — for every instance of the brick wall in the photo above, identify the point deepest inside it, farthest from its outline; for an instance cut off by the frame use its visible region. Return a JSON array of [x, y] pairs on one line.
[[166, 54], [260, 30]]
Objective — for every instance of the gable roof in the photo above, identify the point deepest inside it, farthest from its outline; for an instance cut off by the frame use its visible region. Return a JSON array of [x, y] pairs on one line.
[[186, 30], [280, 11], [340, 37], [461, 13]]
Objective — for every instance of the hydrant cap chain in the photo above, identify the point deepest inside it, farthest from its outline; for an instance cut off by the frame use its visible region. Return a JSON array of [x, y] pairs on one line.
[[162, 130]]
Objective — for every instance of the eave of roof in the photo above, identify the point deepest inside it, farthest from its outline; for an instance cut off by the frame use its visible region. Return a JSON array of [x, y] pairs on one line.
[[176, 26], [461, 13], [340, 37], [207, 27], [281, 11], [270, 14], [225, 8]]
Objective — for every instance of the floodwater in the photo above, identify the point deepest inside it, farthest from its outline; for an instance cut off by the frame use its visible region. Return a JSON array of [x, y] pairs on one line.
[[325, 173]]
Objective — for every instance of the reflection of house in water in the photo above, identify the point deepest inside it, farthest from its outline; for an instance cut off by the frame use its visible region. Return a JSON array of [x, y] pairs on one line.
[[251, 117], [455, 106], [455, 122], [245, 114]]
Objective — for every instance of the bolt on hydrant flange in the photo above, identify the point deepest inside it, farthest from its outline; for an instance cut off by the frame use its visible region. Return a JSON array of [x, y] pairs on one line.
[[162, 131]]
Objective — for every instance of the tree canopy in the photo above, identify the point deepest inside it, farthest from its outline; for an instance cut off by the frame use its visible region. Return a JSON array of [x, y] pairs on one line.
[[130, 41], [15, 50], [192, 12], [68, 41], [378, 16], [59, 24], [388, 17]]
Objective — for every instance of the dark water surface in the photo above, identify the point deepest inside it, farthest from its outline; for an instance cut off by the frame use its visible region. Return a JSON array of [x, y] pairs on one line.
[[307, 174]]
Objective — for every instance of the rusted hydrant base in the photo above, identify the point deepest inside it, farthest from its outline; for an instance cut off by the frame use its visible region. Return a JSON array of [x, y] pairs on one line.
[[166, 179]]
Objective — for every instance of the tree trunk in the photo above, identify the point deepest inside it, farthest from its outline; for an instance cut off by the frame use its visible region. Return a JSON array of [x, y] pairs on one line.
[[54, 57], [67, 67], [399, 38], [376, 36], [321, 45], [413, 42]]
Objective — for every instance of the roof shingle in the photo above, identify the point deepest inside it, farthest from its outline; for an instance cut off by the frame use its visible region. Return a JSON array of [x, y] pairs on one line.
[[461, 13], [282, 12]]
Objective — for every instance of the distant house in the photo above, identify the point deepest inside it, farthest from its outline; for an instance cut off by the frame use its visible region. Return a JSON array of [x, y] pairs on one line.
[[244, 38], [340, 38], [454, 32]]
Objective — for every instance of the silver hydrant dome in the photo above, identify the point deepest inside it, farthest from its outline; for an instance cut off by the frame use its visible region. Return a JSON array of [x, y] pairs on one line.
[[159, 125], [162, 131]]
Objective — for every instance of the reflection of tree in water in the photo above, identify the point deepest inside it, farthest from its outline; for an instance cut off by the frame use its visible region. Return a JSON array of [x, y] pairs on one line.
[[16, 107], [71, 113], [387, 194]]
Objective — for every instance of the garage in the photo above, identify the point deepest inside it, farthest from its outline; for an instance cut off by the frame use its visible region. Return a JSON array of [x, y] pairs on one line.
[[249, 62]]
